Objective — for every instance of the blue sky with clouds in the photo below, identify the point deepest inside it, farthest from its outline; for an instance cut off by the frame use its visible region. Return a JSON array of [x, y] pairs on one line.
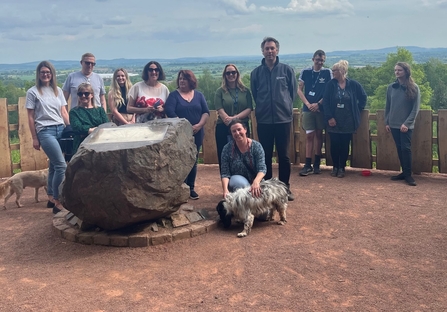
[[63, 30]]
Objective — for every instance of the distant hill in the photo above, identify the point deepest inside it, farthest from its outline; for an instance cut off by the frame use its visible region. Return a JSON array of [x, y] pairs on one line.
[[355, 57]]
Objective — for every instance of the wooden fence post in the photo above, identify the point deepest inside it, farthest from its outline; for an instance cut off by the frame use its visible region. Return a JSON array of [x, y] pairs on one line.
[[361, 143], [442, 140], [5, 154], [422, 142], [30, 159], [209, 141], [387, 158]]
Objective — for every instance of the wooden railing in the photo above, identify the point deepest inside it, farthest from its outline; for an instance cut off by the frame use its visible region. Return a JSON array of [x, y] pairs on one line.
[[362, 155]]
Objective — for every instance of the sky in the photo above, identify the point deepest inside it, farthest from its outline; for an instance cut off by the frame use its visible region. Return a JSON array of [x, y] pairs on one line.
[[33, 30]]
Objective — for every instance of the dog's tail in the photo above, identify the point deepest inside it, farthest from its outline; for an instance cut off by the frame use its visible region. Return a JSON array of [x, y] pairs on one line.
[[4, 188]]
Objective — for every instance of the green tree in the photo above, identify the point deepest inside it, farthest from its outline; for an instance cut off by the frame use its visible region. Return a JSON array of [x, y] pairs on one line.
[[385, 75], [436, 73], [207, 84]]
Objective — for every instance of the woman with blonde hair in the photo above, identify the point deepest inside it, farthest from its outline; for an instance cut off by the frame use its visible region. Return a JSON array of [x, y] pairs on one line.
[[118, 97], [232, 100], [343, 101], [47, 118], [403, 100], [85, 117]]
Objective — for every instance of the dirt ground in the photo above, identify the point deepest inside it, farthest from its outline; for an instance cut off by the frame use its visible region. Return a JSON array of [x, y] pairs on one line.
[[352, 244]]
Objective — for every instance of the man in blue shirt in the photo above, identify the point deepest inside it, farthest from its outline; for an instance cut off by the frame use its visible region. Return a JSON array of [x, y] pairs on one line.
[[312, 83]]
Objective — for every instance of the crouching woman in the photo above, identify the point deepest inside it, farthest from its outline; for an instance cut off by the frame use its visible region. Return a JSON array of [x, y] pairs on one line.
[[243, 161]]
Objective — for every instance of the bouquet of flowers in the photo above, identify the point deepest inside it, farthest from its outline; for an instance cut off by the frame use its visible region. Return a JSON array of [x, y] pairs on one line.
[[156, 103]]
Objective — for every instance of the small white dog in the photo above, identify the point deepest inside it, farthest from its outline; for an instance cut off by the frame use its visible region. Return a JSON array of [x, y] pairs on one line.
[[19, 181], [242, 206]]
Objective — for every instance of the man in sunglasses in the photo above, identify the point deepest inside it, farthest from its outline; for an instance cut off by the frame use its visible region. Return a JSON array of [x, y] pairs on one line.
[[85, 75], [274, 87], [312, 83]]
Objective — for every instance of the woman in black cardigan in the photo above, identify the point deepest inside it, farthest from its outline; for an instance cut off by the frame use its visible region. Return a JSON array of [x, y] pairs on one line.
[[343, 101]]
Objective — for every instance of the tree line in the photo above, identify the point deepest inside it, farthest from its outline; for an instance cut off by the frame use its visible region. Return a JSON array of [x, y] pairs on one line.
[[430, 76]]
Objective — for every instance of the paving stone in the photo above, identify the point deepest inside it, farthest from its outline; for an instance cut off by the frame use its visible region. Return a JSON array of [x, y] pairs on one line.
[[139, 240], [210, 225], [85, 238], [193, 217], [119, 241], [197, 229], [181, 233], [70, 234], [161, 238], [186, 207], [101, 239], [73, 220], [57, 231], [179, 220], [206, 214], [62, 227], [61, 214], [59, 221]]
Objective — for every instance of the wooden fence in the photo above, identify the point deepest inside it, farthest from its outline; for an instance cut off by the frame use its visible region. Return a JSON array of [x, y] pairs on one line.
[[362, 153]]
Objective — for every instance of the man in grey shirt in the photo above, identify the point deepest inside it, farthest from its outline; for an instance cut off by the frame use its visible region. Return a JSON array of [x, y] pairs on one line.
[[274, 87], [86, 75]]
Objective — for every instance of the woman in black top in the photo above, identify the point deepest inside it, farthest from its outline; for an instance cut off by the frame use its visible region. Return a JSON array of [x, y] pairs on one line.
[[343, 101], [117, 98]]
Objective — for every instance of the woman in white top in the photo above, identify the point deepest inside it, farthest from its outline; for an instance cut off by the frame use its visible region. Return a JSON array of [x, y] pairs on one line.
[[47, 118], [147, 97]]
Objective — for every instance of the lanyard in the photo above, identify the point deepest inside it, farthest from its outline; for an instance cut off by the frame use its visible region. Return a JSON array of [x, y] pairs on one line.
[[234, 98], [340, 93], [315, 82]]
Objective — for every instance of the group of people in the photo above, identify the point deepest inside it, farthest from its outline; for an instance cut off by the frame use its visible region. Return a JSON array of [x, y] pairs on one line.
[[331, 101], [48, 116]]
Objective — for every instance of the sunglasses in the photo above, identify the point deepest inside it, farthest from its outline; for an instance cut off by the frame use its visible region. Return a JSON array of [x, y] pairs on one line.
[[45, 73], [89, 63], [233, 72], [153, 70], [81, 94]]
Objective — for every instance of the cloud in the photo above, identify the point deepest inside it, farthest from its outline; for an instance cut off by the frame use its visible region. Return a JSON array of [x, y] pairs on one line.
[[238, 6], [312, 6]]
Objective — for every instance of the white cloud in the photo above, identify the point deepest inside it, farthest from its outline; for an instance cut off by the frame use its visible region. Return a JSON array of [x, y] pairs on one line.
[[238, 6], [49, 29], [312, 6]]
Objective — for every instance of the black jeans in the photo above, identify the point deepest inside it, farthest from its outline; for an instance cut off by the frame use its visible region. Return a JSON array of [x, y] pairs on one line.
[[340, 148], [403, 146], [279, 135]]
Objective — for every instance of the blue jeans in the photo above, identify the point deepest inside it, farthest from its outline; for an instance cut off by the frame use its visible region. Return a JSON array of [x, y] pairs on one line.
[[237, 182], [403, 146], [191, 178], [48, 139]]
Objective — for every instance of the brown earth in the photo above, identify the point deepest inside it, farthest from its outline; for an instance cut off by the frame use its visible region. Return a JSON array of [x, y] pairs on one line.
[[352, 244]]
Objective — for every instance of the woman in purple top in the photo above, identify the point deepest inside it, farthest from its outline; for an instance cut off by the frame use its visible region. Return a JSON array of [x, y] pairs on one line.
[[188, 103]]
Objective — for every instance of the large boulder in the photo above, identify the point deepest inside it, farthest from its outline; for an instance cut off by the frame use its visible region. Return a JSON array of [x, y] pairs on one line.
[[125, 175]]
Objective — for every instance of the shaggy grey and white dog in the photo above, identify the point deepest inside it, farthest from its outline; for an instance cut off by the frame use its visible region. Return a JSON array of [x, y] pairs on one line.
[[241, 205]]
